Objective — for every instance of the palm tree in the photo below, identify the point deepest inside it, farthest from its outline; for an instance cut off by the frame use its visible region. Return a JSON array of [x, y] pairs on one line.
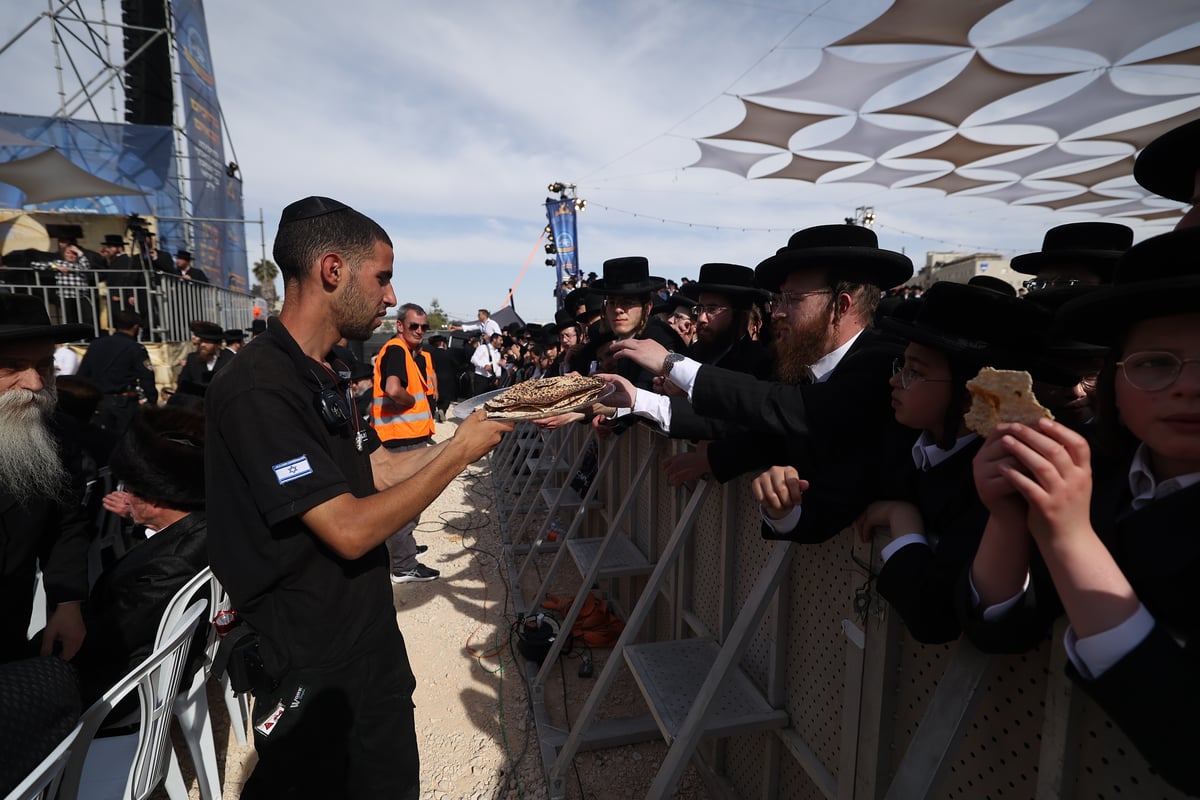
[[265, 273]]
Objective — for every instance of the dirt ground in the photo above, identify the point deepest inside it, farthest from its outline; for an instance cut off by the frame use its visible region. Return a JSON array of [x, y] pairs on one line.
[[474, 718]]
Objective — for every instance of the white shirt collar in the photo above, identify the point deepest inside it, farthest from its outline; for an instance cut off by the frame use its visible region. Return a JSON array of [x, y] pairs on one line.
[[1143, 485], [826, 363], [927, 455]]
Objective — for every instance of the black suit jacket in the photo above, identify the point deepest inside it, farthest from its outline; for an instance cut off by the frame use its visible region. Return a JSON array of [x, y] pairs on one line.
[[1152, 693], [118, 363], [125, 606], [830, 431], [921, 583], [42, 531], [196, 371]]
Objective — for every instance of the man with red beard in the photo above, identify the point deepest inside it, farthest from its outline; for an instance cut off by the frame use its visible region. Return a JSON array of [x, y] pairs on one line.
[[819, 426], [40, 517]]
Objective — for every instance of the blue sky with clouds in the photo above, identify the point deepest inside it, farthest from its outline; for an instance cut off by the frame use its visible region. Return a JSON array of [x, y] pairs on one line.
[[446, 121]]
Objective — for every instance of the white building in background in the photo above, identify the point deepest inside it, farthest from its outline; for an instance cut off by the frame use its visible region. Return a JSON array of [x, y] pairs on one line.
[[961, 267]]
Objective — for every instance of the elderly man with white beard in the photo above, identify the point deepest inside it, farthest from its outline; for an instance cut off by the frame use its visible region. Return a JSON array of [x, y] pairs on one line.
[[41, 521]]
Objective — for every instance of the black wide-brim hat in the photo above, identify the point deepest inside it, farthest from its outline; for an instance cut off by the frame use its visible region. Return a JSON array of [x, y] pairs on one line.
[[732, 280], [591, 301], [1093, 246], [1167, 166], [1003, 330], [1061, 342], [24, 317], [207, 331], [1159, 277], [847, 253], [159, 460], [677, 300], [627, 275]]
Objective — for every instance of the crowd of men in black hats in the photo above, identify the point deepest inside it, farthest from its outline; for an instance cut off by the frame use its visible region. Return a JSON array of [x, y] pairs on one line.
[[845, 406], [842, 392]]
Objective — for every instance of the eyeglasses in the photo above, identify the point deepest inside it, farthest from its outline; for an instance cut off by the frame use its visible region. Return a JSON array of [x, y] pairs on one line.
[[909, 376], [710, 310], [679, 315], [782, 301], [417, 326], [1036, 284], [625, 300], [1153, 370]]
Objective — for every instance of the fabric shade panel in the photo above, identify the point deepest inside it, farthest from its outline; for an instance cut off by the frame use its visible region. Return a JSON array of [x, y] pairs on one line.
[[1096, 102], [1102, 27], [50, 176], [735, 161], [766, 125], [977, 85], [801, 168], [924, 22], [839, 81], [952, 182]]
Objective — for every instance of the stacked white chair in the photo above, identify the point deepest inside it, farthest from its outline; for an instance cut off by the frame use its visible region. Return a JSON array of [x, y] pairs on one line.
[[89, 766]]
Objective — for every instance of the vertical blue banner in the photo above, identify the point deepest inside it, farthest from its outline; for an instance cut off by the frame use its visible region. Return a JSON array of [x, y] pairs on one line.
[[214, 195], [561, 214]]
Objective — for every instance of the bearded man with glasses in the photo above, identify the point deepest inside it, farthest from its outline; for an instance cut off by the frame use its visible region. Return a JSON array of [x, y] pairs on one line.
[[821, 423]]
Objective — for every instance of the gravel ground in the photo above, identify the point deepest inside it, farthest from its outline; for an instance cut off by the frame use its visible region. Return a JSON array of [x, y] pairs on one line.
[[474, 720]]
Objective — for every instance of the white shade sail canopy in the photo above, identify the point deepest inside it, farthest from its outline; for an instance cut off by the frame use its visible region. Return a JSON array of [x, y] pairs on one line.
[[50, 176], [1077, 125]]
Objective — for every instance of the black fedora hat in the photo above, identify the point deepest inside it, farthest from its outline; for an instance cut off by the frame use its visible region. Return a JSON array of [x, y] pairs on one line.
[[1093, 246], [591, 302], [627, 275], [1000, 330], [847, 252], [993, 283], [732, 280], [184, 254], [564, 316], [677, 300], [1167, 166], [114, 240], [235, 335], [207, 331], [24, 317], [1061, 342], [1159, 277], [161, 457]]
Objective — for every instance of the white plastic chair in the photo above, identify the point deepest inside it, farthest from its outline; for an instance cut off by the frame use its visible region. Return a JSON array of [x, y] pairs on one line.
[[191, 704], [43, 781], [156, 681]]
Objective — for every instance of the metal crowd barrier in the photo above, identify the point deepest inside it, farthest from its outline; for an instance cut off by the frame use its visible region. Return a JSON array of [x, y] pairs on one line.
[[166, 303], [861, 710]]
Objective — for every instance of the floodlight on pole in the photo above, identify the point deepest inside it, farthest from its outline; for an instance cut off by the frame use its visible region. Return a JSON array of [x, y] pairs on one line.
[[863, 215]]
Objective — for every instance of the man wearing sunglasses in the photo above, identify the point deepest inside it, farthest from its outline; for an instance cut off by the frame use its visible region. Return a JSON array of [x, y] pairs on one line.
[[402, 413]]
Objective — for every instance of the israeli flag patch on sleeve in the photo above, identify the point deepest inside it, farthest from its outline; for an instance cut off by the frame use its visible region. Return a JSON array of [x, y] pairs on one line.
[[291, 470]]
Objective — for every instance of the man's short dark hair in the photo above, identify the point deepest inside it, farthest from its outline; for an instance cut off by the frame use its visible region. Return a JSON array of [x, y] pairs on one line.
[[123, 319], [299, 244], [485, 312], [402, 312]]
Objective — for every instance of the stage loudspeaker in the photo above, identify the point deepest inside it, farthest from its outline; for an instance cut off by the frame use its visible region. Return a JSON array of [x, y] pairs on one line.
[[148, 91]]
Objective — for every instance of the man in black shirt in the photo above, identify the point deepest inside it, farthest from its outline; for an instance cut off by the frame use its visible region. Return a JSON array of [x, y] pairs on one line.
[[302, 498], [120, 366]]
